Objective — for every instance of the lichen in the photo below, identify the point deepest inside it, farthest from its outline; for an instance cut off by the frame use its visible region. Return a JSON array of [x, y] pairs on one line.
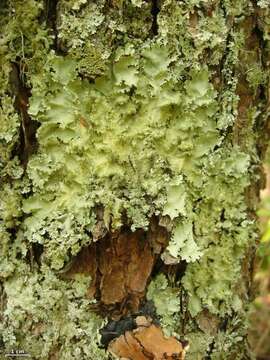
[[131, 124], [51, 311], [167, 303], [99, 127]]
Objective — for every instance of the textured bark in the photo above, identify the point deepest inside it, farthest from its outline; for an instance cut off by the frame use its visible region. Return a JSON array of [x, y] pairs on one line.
[[131, 139]]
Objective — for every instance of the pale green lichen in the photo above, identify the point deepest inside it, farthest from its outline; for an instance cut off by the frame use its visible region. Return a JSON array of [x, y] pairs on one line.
[[167, 302], [182, 245], [256, 76], [200, 345], [90, 135], [219, 343], [55, 311], [264, 3], [176, 201]]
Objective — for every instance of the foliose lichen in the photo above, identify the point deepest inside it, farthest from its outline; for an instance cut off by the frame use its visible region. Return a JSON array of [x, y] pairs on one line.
[[138, 122]]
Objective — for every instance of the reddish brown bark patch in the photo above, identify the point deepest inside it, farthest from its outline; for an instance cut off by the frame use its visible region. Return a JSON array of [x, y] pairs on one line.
[[120, 266], [125, 264]]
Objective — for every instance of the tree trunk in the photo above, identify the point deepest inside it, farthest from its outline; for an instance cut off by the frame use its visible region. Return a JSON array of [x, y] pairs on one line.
[[132, 133]]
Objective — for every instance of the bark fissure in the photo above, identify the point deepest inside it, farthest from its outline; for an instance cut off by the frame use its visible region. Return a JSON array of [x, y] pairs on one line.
[[27, 135], [155, 9], [51, 11]]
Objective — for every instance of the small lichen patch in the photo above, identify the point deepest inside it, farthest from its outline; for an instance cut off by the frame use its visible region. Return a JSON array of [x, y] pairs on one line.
[[167, 303]]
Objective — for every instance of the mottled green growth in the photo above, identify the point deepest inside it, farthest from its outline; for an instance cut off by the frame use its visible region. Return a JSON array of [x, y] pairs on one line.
[[111, 148], [55, 311], [140, 119], [167, 303]]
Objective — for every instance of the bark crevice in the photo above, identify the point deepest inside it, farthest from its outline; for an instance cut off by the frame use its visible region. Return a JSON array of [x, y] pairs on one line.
[[51, 10], [27, 143], [155, 11]]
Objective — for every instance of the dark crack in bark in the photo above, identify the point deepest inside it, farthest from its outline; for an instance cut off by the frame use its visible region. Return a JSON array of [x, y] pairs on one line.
[[51, 18], [27, 144], [155, 11]]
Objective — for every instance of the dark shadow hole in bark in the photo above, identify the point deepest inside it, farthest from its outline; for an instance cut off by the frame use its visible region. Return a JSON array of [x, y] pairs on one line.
[[210, 351], [3, 301], [37, 252], [158, 267], [51, 14], [155, 11], [224, 324], [174, 272], [180, 270], [222, 215], [33, 255], [27, 143], [2, 344], [115, 328], [50, 18], [262, 42], [13, 232]]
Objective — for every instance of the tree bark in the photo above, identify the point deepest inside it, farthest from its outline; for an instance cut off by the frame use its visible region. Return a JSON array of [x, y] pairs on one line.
[[132, 134]]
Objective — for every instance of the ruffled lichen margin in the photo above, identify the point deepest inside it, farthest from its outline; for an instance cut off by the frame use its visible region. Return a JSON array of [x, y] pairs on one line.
[[130, 109]]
